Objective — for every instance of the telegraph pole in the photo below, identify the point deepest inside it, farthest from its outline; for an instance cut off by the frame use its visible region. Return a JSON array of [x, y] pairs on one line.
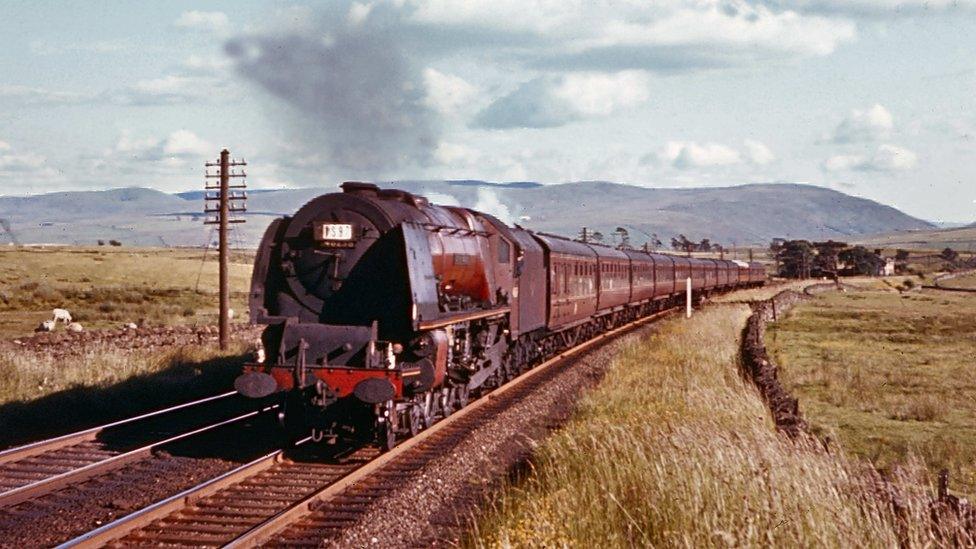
[[224, 203]]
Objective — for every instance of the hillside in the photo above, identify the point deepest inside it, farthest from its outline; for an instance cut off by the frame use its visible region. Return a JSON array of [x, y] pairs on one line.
[[747, 214], [958, 238]]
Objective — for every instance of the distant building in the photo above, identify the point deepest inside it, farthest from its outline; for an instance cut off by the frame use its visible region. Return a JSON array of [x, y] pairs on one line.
[[888, 269]]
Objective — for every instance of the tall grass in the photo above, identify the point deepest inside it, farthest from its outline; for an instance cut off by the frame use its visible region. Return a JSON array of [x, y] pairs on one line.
[[673, 448], [30, 375], [42, 395]]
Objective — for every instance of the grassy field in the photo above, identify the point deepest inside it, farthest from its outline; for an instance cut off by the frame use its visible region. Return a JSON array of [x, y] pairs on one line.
[[967, 281], [960, 239], [889, 376], [690, 460], [41, 396], [105, 286]]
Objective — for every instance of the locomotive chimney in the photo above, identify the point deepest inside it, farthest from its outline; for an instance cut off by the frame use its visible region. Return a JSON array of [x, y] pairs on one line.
[[359, 187]]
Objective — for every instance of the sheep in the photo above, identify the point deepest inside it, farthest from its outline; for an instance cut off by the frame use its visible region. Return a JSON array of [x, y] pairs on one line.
[[75, 327], [230, 314], [129, 326], [61, 315], [46, 326]]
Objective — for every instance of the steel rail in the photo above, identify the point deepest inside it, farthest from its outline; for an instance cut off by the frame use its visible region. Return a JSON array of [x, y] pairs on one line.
[[73, 476], [145, 516], [21, 452], [267, 528]]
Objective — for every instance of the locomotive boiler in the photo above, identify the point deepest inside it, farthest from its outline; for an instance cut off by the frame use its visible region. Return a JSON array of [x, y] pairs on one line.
[[384, 312]]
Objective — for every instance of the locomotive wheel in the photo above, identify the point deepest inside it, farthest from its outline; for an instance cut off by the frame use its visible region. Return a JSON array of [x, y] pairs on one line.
[[416, 420], [446, 401], [461, 396], [387, 437], [429, 409]]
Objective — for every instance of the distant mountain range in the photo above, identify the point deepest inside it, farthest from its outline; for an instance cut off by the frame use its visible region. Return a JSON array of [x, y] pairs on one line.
[[746, 214]]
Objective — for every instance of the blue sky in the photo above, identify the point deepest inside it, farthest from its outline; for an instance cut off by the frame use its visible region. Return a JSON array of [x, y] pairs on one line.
[[873, 98]]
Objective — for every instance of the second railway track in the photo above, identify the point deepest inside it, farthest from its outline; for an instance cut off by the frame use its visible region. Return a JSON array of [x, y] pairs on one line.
[[33, 470], [299, 498]]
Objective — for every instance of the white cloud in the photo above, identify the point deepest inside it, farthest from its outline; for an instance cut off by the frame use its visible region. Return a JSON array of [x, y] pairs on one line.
[[456, 155], [636, 34], [22, 170], [203, 20], [26, 95], [177, 147], [594, 94], [871, 124], [886, 158], [211, 64], [174, 89], [208, 85], [447, 93], [873, 8], [689, 154], [758, 153], [42, 47], [21, 162], [555, 101], [187, 143], [359, 12]]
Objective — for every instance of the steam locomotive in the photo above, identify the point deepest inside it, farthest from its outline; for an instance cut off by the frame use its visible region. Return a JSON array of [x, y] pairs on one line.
[[385, 312]]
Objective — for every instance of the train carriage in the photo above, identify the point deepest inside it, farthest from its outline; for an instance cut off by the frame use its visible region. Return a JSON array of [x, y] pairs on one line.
[[698, 277], [572, 293], [613, 278], [642, 269], [711, 273], [682, 272]]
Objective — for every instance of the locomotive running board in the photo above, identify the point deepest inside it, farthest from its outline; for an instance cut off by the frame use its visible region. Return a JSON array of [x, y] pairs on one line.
[[447, 321]]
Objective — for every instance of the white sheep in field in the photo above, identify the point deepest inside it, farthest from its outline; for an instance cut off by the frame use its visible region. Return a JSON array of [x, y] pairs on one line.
[[46, 326], [61, 315], [75, 327]]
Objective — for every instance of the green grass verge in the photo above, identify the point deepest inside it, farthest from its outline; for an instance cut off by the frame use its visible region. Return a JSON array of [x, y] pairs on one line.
[[674, 448]]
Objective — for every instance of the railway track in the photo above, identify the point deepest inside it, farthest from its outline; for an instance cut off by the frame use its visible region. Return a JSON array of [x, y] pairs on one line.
[[33, 470], [297, 497]]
